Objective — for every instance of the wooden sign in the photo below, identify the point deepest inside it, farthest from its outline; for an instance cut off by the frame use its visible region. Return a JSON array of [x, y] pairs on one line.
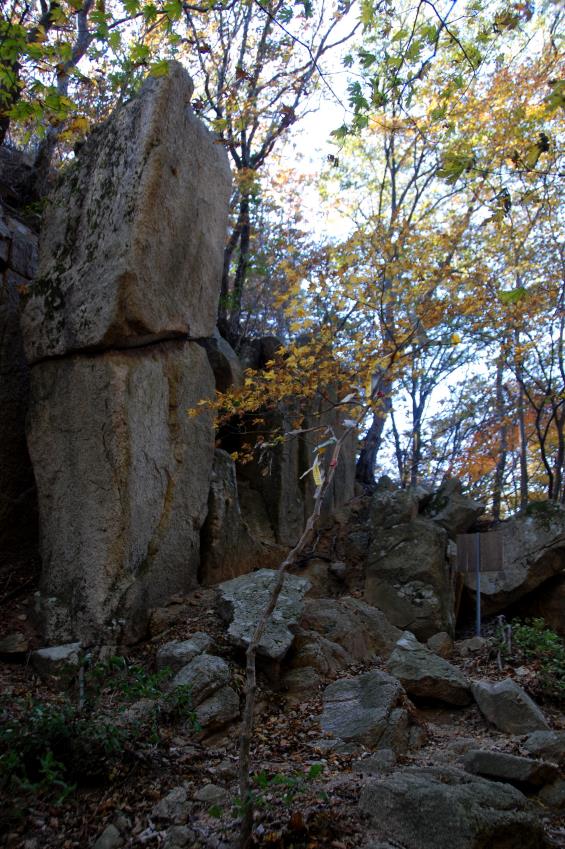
[[483, 550]]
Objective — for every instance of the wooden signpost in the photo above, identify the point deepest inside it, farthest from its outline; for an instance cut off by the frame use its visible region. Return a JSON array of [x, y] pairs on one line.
[[478, 553]]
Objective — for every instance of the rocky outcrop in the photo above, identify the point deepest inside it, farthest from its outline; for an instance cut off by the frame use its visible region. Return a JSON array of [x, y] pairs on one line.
[[370, 709], [508, 707], [18, 258], [131, 243], [446, 808], [361, 630], [407, 575], [451, 509], [227, 547], [425, 675], [534, 551], [129, 273]]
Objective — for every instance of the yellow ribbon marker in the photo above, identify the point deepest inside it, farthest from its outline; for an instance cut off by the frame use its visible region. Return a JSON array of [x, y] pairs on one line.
[[317, 473]]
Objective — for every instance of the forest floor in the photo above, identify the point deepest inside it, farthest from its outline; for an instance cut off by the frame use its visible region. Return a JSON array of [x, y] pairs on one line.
[[300, 805]]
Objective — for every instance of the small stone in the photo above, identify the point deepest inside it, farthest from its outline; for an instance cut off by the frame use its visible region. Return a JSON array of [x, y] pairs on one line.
[[109, 839], [204, 675], [338, 569], [441, 644], [211, 794], [426, 675], [173, 807], [470, 646], [52, 661], [219, 709], [553, 795], [381, 761], [178, 653], [14, 644], [179, 836], [524, 773]]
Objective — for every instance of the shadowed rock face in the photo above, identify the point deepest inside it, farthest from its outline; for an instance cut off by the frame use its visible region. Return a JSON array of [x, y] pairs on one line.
[[132, 242], [122, 476]]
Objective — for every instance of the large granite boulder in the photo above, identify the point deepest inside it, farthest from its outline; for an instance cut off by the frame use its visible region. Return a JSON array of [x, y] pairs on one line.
[[227, 547], [425, 675], [407, 575], [508, 707], [361, 630], [451, 509], [242, 601], [122, 476], [446, 808], [549, 745], [370, 709], [534, 551], [132, 241]]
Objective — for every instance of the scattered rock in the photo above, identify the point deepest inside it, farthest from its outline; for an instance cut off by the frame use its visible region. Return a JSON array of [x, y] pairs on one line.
[[446, 808], [179, 837], [508, 707], [302, 680], [368, 709], [54, 660], [338, 569], [524, 773], [174, 807], [211, 794], [441, 644], [218, 709], [549, 745], [109, 839], [311, 650], [179, 653], [243, 600], [554, 795], [425, 675], [204, 675], [162, 618], [471, 646], [380, 762], [14, 644]]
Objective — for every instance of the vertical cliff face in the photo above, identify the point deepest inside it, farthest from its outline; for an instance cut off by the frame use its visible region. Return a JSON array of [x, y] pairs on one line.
[[18, 260], [129, 275]]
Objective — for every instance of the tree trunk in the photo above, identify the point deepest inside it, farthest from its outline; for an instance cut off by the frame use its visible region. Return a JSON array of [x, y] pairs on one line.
[[365, 469], [502, 445]]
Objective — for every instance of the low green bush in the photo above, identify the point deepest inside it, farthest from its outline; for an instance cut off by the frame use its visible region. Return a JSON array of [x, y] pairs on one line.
[[535, 643]]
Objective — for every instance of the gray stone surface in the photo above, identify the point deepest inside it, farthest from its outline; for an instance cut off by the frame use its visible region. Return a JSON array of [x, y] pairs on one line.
[[218, 709], [508, 707], [452, 510], [368, 709], [310, 650], [179, 837], [549, 745], [13, 644], [228, 371], [426, 675], [178, 653], [109, 839], [132, 242], [122, 475], [359, 628], [204, 675], [445, 808], [525, 773], [242, 601], [53, 660], [174, 807], [212, 794], [441, 643], [534, 551], [302, 680], [406, 572], [227, 547]]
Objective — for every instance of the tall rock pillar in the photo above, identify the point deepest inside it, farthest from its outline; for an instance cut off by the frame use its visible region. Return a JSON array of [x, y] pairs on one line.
[[130, 264]]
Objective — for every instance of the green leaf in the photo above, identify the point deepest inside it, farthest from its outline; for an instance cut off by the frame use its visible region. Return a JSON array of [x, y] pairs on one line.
[[315, 770], [159, 69], [514, 296]]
